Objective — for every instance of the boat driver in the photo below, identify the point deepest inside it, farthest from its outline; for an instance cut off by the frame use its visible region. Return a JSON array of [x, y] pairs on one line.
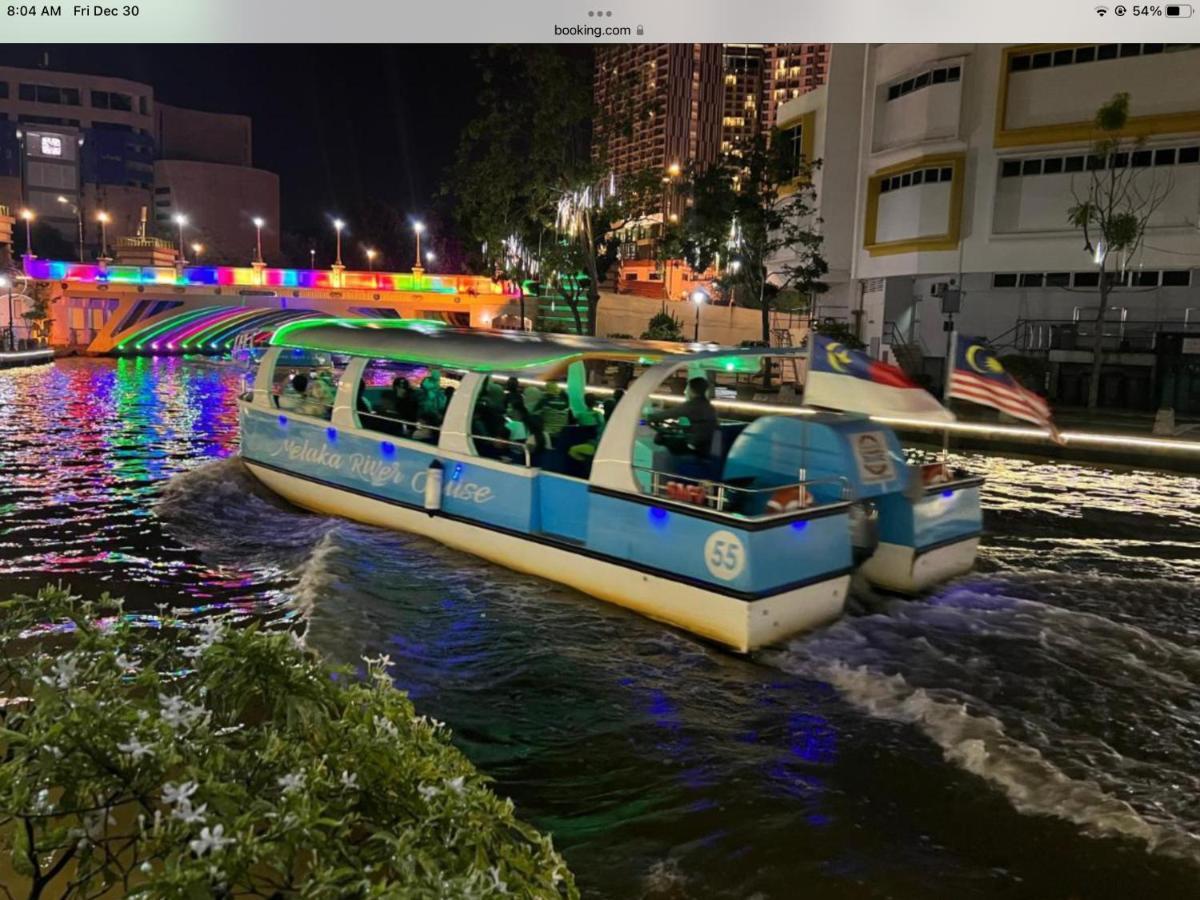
[[697, 420]]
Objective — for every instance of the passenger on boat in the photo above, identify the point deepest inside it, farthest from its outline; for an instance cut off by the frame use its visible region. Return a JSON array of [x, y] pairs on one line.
[[553, 410], [321, 394], [611, 403], [697, 419], [292, 395], [404, 400], [512, 391], [431, 400], [525, 428]]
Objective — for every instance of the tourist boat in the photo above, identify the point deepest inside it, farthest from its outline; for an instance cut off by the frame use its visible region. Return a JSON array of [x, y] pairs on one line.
[[744, 545]]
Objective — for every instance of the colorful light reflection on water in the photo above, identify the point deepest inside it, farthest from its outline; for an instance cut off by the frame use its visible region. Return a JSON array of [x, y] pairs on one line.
[[878, 758]]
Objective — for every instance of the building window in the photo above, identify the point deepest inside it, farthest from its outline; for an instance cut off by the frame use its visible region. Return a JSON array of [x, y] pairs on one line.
[[916, 177], [1005, 280], [1085, 279], [925, 79], [793, 144], [3, 90], [1054, 165], [1058, 279], [1145, 279], [1023, 62], [1177, 278], [1031, 279]]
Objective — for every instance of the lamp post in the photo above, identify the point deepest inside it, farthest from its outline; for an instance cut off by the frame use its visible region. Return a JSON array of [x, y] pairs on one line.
[[103, 218], [338, 225], [370, 259], [6, 282], [312, 257], [197, 249], [28, 216], [698, 299], [430, 257], [78, 219], [418, 227], [181, 220], [258, 226]]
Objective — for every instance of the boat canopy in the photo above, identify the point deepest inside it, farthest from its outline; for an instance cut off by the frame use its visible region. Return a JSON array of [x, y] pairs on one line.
[[437, 344]]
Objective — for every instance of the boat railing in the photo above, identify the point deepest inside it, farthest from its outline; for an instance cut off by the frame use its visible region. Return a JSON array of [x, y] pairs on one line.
[[505, 442], [734, 500]]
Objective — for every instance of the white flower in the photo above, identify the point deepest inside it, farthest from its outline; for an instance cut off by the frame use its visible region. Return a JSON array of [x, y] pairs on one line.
[[293, 781], [189, 816], [349, 780], [210, 840], [135, 748], [177, 712], [123, 662], [456, 784], [173, 794], [427, 792], [387, 726], [41, 803], [497, 882], [64, 671], [93, 823], [146, 868]]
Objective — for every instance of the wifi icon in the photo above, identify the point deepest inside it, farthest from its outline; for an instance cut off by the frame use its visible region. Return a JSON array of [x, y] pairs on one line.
[[1102, 11]]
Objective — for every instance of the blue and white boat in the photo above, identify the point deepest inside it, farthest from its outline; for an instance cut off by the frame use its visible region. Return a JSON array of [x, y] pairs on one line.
[[744, 544]]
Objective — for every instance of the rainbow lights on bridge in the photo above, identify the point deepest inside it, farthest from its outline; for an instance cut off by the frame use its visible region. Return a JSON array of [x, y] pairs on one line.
[[212, 329], [303, 279]]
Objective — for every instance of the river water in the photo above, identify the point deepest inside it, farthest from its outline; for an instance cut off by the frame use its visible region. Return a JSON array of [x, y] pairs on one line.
[[1032, 730]]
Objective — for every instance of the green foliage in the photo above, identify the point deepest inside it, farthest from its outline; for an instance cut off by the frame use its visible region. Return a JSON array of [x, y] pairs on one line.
[[757, 211], [663, 327], [1113, 115], [197, 760]]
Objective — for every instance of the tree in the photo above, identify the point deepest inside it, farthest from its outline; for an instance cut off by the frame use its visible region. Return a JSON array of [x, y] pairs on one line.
[[663, 327], [1113, 208], [757, 209], [199, 759], [524, 183]]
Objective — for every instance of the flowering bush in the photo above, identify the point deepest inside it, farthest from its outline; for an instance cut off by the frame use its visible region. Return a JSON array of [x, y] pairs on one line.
[[210, 761]]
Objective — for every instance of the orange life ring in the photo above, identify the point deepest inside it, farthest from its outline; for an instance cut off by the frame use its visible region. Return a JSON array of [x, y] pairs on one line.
[[789, 499]]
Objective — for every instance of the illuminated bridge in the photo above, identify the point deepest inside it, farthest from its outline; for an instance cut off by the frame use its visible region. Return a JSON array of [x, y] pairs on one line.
[[202, 309]]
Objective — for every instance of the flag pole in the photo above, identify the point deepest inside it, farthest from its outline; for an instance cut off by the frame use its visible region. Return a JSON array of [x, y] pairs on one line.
[[951, 355]]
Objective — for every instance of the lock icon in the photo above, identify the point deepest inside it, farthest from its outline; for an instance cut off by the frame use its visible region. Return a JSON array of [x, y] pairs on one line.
[[641, 30]]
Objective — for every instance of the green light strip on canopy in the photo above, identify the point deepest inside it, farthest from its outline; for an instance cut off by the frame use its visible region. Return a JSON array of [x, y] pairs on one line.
[[281, 335]]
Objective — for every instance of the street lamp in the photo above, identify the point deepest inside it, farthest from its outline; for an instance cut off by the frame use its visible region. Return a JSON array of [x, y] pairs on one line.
[[673, 170], [312, 257], [181, 220], [197, 249], [371, 254], [338, 225], [698, 299], [418, 227], [258, 225], [430, 256], [78, 218], [6, 282], [28, 215], [103, 218]]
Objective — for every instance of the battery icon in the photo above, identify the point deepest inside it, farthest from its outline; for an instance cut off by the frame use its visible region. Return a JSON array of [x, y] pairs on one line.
[[1179, 11]]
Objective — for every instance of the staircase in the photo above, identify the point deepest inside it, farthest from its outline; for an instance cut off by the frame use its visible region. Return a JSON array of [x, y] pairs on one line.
[[909, 355]]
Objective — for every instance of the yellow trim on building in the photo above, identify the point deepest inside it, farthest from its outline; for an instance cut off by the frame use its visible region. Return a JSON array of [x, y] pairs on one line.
[[808, 123], [932, 243], [1073, 132]]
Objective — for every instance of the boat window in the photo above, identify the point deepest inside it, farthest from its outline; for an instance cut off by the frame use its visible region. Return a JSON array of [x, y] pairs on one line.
[[553, 424], [404, 399], [306, 382]]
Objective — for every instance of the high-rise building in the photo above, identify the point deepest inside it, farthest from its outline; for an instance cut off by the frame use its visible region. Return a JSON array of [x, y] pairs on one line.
[[790, 70], [659, 105], [72, 145], [742, 95]]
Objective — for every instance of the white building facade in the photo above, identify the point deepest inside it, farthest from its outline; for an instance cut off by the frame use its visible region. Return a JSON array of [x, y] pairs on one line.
[[951, 168]]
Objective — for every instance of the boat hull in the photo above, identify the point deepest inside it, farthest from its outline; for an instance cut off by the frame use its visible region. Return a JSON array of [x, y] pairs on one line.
[[910, 570], [741, 624]]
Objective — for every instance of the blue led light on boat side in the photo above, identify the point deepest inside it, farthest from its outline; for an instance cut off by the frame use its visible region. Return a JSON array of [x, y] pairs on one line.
[[331, 433], [657, 516], [457, 473], [947, 493], [283, 420], [387, 448], [799, 526]]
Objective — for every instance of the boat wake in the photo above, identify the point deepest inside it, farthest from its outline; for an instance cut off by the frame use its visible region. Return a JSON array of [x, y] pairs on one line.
[[1068, 713]]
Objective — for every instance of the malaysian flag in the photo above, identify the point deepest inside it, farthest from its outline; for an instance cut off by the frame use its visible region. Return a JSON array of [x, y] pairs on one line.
[[978, 376]]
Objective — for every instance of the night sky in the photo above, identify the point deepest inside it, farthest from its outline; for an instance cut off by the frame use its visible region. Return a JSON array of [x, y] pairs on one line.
[[341, 125]]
